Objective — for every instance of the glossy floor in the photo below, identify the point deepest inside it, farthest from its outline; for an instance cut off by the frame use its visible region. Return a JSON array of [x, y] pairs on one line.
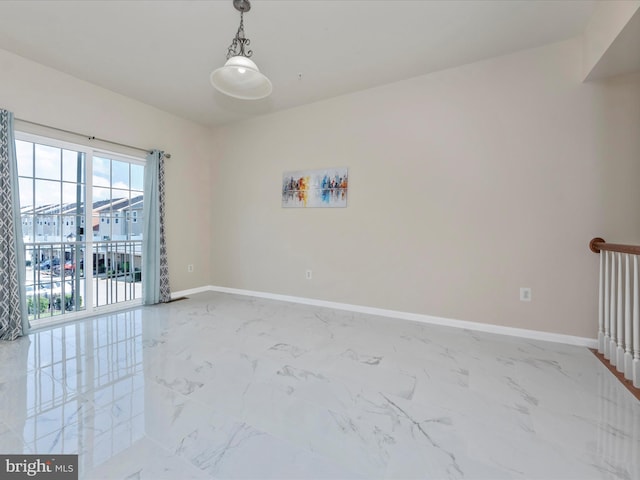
[[224, 386]]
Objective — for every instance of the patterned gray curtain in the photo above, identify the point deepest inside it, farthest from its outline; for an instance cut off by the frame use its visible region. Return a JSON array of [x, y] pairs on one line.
[[155, 269], [13, 319]]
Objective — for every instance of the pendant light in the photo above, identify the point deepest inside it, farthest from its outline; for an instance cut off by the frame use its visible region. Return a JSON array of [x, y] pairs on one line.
[[240, 77]]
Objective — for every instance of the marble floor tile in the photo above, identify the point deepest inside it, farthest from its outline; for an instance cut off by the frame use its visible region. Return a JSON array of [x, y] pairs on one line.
[[227, 386], [144, 460]]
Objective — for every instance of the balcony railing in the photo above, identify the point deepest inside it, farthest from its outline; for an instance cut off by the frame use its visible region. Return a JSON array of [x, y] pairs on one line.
[[67, 277]]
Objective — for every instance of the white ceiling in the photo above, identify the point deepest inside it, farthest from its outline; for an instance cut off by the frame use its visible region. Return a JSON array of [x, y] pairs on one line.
[[162, 52]]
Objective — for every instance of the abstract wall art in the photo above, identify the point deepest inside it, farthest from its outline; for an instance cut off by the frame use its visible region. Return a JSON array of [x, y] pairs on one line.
[[324, 188]]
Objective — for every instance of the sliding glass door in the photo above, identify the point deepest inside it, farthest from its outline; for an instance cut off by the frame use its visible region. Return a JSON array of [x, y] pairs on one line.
[[82, 226]]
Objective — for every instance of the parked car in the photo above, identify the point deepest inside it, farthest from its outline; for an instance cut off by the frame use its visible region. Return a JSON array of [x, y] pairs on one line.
[[47, 264]]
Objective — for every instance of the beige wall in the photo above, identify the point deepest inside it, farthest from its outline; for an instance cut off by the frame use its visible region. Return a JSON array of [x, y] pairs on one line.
[[39, 94], [465, 185], [606, 27], [459, 181]]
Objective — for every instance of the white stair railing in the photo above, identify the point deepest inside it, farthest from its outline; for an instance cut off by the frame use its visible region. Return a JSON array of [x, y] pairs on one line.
[[619, 307]]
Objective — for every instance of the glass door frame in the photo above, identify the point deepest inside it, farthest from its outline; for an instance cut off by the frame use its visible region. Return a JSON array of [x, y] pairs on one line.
[[88, 242]]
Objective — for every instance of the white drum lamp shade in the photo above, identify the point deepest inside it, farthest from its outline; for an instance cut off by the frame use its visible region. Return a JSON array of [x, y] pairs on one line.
[[240, 78]]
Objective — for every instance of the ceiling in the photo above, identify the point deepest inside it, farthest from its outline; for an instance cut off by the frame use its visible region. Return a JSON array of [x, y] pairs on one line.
[[162, 52]]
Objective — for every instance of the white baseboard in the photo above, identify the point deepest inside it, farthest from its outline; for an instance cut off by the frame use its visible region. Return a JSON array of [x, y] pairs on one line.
[[416, 317], [191, 291]]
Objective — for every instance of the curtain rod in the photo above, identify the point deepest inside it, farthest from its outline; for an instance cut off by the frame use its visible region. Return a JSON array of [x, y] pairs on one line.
[[89, 137]]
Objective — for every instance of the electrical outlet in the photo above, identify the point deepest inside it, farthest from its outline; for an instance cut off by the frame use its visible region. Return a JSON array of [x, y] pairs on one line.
[[190, 268], [308, 274], [525, 294]]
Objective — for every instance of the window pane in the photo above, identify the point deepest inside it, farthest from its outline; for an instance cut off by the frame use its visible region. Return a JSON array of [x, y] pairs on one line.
[[120, 174], [95, 227], [70, 162], [104, 227], [68, 227], [118, 229], [47, 162], [100, 195], [47, 228], [47, 195], [137, 177], [24, 152], [134, 229], [136, 221], [72, 200], [136, 200], [27, 228], [119, 195], [26, 193], [101, 171], [108, 230]]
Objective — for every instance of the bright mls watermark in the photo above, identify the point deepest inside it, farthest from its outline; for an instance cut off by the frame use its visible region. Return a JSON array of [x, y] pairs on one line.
[[50, 467]]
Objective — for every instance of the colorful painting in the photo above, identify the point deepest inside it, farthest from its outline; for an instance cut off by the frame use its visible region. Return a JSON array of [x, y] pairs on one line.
[[315, 188]]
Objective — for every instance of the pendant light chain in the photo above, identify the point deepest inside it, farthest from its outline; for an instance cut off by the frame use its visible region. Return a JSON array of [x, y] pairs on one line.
[[239, 42]]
